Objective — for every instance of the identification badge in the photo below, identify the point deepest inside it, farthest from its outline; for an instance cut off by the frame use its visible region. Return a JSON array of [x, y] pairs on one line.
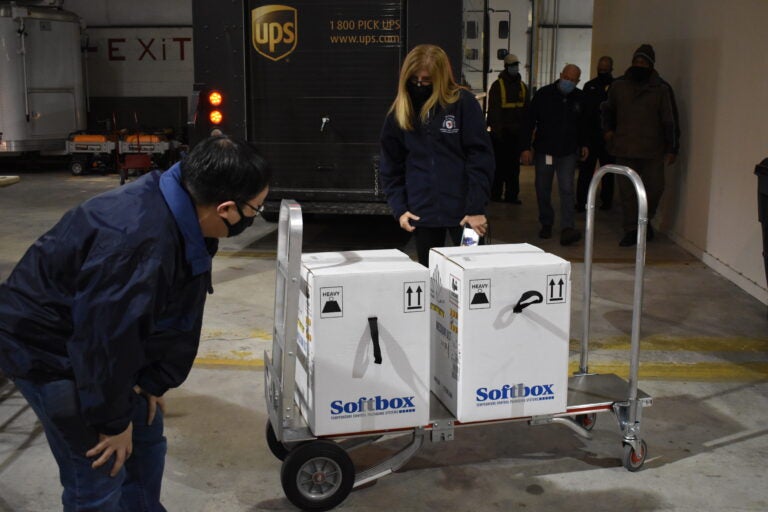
[[548, 160]]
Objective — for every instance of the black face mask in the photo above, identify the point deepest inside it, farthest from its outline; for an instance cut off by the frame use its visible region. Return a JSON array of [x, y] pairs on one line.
[[639, 73], [239, 226], [419, 95], [605, 78]]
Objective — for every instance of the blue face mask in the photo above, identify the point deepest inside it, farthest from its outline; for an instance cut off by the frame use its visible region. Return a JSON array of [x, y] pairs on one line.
[[566, 86], [513, 69]]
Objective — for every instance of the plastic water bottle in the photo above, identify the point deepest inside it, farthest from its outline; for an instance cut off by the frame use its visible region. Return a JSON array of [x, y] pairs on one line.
[[469, 237]]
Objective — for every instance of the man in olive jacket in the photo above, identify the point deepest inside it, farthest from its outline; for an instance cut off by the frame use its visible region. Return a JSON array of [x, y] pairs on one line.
[[640, 124]]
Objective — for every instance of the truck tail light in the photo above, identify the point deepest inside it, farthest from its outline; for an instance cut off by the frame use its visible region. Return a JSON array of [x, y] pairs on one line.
[[215, 98], [216, 117]]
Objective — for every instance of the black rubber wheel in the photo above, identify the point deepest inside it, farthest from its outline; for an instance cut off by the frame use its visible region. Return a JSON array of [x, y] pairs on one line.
[[632, 460], [317, 476], [78, 165], [277, 448], [586, 421]]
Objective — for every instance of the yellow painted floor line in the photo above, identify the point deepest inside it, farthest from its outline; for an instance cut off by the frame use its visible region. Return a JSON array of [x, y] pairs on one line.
[[676, 344], [700, 372], [211, 361]]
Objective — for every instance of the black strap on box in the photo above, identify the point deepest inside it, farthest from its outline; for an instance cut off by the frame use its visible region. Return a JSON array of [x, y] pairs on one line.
[[525, 301], [373, 323]]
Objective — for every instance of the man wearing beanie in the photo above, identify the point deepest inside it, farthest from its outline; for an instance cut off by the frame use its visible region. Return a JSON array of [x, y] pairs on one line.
[[640, 124], [508, 102]]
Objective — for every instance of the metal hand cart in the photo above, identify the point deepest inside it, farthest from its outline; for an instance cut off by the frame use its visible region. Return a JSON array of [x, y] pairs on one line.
[[317, 472]]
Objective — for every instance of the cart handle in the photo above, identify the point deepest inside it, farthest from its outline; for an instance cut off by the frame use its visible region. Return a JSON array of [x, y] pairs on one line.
[[373, 323], [522, 304]]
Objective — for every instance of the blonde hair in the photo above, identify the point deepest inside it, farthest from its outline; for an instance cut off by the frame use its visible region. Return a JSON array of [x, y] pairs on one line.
[[445, 90]]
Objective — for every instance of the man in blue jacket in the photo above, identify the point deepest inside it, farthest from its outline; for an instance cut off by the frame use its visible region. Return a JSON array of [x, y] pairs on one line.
[[103, 314], [557, 133]]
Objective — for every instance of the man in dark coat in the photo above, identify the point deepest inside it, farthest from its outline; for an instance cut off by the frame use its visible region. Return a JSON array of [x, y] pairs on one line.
[[556, 131], [642, 131], [595, 93], [508, 103]]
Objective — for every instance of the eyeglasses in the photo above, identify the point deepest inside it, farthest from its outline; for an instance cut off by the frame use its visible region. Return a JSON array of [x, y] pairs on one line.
[[420, 82], [256, 209]]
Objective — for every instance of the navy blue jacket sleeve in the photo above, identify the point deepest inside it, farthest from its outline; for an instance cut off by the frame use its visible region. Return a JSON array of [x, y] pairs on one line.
[[479, 162], [174, 367], [392, 166]]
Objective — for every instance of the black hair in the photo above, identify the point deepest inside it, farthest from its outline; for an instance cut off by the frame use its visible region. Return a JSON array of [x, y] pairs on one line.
[[224, 168]]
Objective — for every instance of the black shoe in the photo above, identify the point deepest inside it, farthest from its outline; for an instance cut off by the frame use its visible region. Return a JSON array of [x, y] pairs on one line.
[[514, 201], [545, 232], [569, 236], [649, 234], [605, 206], [630, 239], [579, 209]]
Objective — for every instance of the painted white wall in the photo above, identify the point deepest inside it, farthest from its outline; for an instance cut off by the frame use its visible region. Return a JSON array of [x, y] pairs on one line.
[[713, 54], [143, 13]]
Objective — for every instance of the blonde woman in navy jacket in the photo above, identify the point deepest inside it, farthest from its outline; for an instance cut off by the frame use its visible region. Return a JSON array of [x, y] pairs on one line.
[[437, 162]]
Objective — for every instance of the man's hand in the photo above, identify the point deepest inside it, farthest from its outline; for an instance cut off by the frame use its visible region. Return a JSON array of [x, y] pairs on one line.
[[477, 222], [121, 445], [584, 153], [670, 158], [153, 402], [526, 157], [405, 221], [608, 136]]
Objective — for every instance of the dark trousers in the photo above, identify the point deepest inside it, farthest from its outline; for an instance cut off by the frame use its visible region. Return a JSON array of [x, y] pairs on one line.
[[507, 176], [651, 171], [597, 153], [136, 487], [427, 238], [564, 168]]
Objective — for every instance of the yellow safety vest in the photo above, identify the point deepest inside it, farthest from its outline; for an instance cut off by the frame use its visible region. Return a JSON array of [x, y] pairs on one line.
[[509, 104]]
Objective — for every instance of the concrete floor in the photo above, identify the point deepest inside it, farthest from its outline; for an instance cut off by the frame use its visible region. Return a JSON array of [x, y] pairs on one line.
[[704, 360]]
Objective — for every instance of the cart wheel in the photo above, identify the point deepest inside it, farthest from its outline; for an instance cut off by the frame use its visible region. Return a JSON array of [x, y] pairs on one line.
[[277, 448], [317, 476], [632, 460], [77, 166], [586, 421]]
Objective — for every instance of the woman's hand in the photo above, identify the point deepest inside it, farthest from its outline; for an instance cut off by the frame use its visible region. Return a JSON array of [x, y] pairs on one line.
[[405, 221], [477, 222]]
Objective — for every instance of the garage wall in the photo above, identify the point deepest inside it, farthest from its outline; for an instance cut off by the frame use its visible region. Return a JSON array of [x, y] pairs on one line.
[[134, 13], [713, 54]]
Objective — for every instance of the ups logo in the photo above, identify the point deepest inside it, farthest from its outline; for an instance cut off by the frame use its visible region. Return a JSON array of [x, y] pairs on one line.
[[274, 30]]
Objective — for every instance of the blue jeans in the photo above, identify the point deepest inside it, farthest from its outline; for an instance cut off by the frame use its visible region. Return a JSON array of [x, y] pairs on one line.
[[136, 488], [565, 168]]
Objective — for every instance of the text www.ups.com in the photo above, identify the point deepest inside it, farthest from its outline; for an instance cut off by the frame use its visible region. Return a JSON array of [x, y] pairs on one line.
[[365, 39]]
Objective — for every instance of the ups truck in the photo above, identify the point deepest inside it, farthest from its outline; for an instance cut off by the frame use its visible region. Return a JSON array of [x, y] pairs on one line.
[[310, 82]]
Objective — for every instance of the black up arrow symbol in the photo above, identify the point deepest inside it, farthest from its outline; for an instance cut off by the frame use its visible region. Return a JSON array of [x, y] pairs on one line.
[[552, 289], [418, 298]]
